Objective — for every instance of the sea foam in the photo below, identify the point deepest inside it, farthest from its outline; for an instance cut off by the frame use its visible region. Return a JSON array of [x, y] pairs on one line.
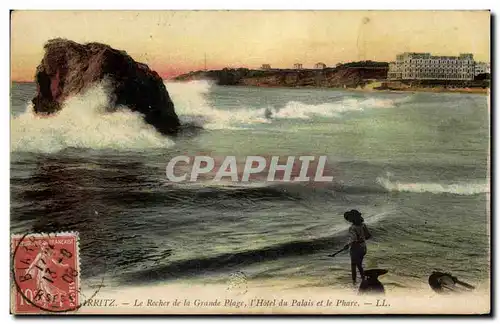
[[192, 105], [84, 122], [466, 188]]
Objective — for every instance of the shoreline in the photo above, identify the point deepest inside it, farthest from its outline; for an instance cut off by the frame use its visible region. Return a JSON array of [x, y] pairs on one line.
[[367, 88], [434, 90], [483, 91]]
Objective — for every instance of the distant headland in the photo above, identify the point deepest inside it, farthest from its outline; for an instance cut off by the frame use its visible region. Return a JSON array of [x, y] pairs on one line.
[[362, 75]]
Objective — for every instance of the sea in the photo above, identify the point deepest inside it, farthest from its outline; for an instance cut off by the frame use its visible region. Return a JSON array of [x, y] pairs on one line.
[[416, 165]]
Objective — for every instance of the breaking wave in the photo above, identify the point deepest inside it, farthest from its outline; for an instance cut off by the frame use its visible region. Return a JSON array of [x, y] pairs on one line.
[[192, 105], [299, 110], [256, 253], [84, 123], [435, 188]]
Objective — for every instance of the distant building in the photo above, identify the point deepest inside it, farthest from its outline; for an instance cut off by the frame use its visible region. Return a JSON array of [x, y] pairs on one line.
[[320, 65], [266, 67], [481, 68], [424, 66], [297, 66]]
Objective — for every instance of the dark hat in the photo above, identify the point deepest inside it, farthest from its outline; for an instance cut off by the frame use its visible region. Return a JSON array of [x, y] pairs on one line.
[[352, 215], [355, 212]]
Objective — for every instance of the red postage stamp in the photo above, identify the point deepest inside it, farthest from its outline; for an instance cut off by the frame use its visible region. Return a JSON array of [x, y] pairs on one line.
[[45, 273]]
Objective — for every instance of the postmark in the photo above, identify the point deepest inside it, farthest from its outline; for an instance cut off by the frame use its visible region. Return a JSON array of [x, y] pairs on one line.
[[45, 273]]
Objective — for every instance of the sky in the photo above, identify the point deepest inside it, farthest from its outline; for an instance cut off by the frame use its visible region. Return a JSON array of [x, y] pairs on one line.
[[175, 42]]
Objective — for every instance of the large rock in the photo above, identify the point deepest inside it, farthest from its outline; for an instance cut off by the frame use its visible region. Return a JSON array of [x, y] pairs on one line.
[[69, 68]]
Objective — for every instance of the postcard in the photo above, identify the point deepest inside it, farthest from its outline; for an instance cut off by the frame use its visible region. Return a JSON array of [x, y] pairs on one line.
[[250, 162]]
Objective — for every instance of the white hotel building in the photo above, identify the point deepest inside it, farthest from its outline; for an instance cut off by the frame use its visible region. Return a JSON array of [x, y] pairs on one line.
[[423, 66], [482, 67]]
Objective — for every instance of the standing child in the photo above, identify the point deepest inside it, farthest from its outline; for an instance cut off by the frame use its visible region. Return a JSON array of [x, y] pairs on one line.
[[358, 234]]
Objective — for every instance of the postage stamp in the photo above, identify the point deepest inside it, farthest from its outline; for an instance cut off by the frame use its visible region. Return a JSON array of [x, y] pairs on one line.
[[45, 273]]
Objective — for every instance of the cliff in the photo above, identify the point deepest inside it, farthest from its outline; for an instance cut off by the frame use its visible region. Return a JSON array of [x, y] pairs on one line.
[[350, 75], [69, 68]]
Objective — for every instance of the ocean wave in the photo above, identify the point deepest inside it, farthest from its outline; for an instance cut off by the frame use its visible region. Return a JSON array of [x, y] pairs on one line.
[[256, 254], [84, 122], [473, 188], [299, 110], [192, 106]]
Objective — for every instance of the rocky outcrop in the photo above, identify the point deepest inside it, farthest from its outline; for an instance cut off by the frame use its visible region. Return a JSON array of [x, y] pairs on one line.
[[350, 75], [69, 68]]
